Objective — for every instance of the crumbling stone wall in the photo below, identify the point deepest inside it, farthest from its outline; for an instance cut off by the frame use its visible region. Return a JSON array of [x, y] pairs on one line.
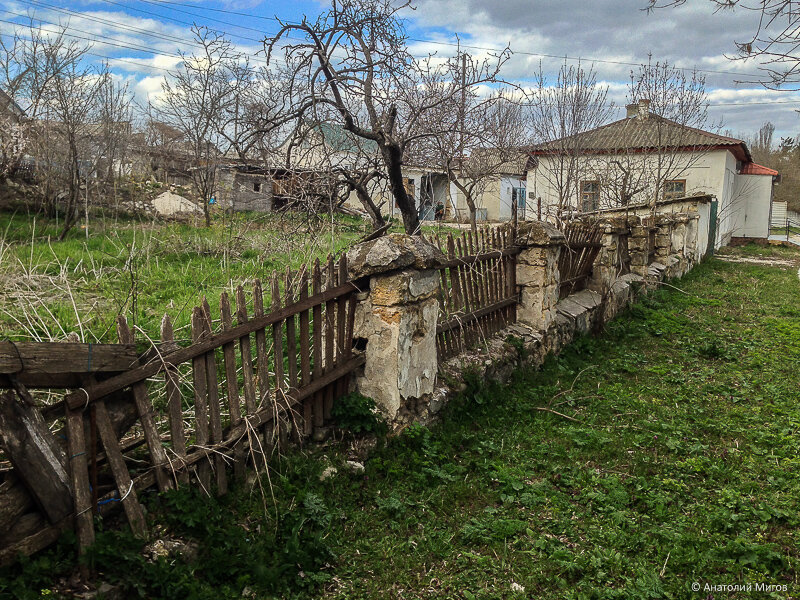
[[397, 317]]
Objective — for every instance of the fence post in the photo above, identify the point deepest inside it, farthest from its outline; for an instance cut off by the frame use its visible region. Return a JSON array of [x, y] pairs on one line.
[[537, 273], [397, 318]]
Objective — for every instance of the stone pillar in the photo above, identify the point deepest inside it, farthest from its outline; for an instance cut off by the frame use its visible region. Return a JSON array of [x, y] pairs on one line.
[[663, 238], [679, 242], [638, 246], [397, 319], [537, 273], [607, 266]]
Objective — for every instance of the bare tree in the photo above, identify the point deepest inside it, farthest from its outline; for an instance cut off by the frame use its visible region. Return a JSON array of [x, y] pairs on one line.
[[664, 138], [775, 43], [479, 142], [198, 101], [354, 58], [560, 116]]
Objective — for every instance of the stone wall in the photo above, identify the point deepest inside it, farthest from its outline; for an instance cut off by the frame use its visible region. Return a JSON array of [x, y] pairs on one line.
[[397, 317]]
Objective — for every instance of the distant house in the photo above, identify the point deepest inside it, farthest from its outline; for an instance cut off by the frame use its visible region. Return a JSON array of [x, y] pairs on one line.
[[645, 159], [497, 193], [328, 146]]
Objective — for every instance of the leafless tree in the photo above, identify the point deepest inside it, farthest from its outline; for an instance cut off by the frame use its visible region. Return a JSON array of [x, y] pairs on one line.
[[775, 43], [560, 116], [354, 58], [663, 141], [480, 141], [63, 98], [198, 100]]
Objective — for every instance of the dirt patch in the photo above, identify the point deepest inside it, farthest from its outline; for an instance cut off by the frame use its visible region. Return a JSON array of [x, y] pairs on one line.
[[772, 262]]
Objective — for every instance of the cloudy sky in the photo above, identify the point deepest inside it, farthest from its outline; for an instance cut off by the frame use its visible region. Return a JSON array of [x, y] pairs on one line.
[[142, 38]]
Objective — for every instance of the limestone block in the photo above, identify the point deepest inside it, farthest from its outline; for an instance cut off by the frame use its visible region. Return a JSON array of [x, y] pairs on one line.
[[580, 315], [390, 253], [531, 275], [559, 333], [401, 353], [662, 241], [631, 278], [587, 298], [403, 287], [538, 233]]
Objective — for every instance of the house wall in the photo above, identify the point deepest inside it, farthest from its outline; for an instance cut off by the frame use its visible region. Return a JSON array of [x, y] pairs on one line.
[[712, 172], [751, 205], [235, 190]]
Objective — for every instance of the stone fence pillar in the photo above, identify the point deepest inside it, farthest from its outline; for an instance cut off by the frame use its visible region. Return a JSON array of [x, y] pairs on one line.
[[639, 248], [663, 238], [397, 320], [608, 266], [537, 273]]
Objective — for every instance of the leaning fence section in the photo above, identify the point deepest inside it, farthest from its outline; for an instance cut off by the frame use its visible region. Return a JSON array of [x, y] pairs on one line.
[[251, 377], [477, 288], [576, 261]]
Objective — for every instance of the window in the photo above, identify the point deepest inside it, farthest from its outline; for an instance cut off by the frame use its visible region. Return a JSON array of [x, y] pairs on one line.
[[590, 195], [675, 188], [256, 186]]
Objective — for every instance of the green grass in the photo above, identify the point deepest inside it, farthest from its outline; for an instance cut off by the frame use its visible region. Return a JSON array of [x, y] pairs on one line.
[[682, 465], [143, 269]]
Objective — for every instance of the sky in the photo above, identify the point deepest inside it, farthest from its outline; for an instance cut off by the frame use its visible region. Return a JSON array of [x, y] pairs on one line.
[[142, 38]]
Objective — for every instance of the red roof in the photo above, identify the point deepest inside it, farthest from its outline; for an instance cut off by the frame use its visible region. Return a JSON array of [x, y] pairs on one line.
[[752, 168]]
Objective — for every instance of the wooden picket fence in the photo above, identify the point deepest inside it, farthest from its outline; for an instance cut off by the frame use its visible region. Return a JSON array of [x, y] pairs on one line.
[[478, 294], [576, 261], [244, 385]]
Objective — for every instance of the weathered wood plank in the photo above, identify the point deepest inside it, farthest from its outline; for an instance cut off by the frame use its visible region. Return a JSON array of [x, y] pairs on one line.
[[262, 362], [246, 353], [215, 417], [277, 338], [174, 397], [145, 409], [79, 477], [305, 353], [200, 381], [38, 459], [232, 383], [50, 358], [130, 502], [330, 334], [316, 348]]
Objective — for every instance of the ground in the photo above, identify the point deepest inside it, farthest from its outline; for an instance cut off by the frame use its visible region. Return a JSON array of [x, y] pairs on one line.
[[673, 460]]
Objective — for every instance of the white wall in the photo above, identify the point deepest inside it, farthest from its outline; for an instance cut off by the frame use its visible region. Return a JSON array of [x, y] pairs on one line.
[[704, 172], [751, 205]]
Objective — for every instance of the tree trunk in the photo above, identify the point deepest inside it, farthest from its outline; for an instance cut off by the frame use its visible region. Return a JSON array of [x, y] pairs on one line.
[[369, 206], [393, 158], [473, 219]]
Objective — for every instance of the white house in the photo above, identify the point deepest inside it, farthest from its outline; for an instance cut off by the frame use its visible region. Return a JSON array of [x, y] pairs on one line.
[[645, 158]]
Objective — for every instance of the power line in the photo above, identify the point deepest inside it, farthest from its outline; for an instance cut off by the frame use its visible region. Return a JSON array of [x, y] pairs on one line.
[[442, 43], [111, 41], [122, 26], [109, 58]]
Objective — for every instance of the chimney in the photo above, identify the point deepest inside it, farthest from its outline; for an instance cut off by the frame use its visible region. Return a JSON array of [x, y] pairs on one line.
[[633, 110], [644, 108]]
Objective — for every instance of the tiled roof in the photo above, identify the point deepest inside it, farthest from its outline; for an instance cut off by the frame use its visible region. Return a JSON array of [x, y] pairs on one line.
[[755, 169], [643, 133]]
